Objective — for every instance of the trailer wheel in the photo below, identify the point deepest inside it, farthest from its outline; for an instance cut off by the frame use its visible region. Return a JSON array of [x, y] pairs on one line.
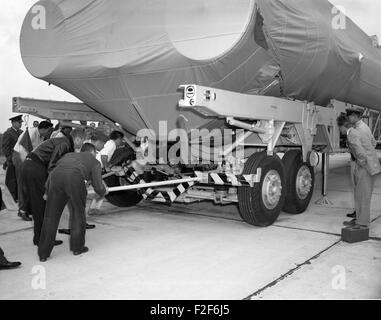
[[261, 205], [300, 181], [122, 199]]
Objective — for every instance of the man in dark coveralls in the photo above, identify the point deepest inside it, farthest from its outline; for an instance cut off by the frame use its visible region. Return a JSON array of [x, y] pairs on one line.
[[35, 172], [67, 182], [10, 138]]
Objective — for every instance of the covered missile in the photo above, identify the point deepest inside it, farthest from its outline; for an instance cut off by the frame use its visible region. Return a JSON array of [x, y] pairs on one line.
[[127, 58]]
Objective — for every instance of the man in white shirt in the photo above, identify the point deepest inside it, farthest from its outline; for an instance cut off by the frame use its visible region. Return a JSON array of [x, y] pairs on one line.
[[367, 166], [116, 141], [104, 157], [355, 119], [27, 142]]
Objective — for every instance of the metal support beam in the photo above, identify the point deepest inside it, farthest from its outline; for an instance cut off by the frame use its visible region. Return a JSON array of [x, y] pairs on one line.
[[325, 169], [56, 110]]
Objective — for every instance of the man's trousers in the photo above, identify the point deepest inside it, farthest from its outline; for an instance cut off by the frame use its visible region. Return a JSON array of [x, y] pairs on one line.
[[352, 174], [65, 185], [34, 176], [364, 184], [21, 189]]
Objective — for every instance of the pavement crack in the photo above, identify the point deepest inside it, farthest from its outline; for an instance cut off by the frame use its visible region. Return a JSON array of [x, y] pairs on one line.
[[309, 230], [15, 231], [290, 272]]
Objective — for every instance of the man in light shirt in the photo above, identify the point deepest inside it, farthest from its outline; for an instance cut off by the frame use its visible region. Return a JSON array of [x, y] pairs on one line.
[[367, 166], [27, 141], [104, 157], [116, 141], [355, 119]]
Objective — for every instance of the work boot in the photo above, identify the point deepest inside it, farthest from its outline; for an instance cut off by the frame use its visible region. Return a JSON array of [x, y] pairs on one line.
[[68, 231], [9, 265], [352, 215], [350, 223], [23, 215], [83, 250]]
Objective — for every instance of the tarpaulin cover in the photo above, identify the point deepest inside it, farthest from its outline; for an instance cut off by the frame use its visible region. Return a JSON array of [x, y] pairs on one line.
[[126, 58]]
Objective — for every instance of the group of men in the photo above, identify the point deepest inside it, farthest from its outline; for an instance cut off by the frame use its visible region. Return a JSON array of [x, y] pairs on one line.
[[365, 164], [46, 172]]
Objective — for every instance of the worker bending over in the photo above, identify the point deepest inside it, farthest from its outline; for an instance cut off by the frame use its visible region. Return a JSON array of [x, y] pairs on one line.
[[98, 140], [67, 182], [36, 168], [367, 166]]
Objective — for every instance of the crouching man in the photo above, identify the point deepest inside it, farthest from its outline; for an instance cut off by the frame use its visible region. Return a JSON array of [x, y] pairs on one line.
[[67, 182]]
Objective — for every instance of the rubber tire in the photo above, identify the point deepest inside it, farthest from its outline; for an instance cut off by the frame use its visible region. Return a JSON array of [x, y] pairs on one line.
[[293, 161], [122, 199], [251, 207]]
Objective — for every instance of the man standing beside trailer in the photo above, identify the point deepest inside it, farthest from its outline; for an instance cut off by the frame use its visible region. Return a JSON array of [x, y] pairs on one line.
[[9, 140], [27, 141], [366, 166], [355, 118]]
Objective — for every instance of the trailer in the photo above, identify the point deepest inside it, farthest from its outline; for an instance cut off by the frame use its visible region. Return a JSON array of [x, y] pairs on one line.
[[267, 167]]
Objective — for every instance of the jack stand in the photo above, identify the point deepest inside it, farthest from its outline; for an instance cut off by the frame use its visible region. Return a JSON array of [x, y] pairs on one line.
[[324, 201]]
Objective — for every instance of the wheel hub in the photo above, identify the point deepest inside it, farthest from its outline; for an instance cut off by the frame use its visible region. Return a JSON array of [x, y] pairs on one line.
[[303, 182], [271, 189]]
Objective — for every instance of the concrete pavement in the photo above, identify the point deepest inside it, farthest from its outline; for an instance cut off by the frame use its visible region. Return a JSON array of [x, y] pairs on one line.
[[202, 251]]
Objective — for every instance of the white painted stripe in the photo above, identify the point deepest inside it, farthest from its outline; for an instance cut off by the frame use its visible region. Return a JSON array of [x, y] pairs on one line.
[[216, 178]]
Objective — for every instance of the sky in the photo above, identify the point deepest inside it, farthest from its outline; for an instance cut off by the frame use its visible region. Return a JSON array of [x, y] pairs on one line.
[[16, 81]]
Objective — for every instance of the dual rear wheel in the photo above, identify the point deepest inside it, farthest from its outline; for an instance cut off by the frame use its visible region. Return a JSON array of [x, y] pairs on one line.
[[285, 184]]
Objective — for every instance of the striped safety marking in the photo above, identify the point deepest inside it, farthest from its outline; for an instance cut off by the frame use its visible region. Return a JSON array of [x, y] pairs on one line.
[[151, 194], [212, 178]]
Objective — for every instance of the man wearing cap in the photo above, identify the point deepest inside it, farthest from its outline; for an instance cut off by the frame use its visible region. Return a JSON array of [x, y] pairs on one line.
[[29, 140], [366, 166], [9, 140], [355, 118]]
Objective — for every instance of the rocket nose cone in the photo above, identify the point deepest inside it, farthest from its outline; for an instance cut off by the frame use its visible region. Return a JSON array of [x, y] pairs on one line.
[[206, 29], [42, 38]]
